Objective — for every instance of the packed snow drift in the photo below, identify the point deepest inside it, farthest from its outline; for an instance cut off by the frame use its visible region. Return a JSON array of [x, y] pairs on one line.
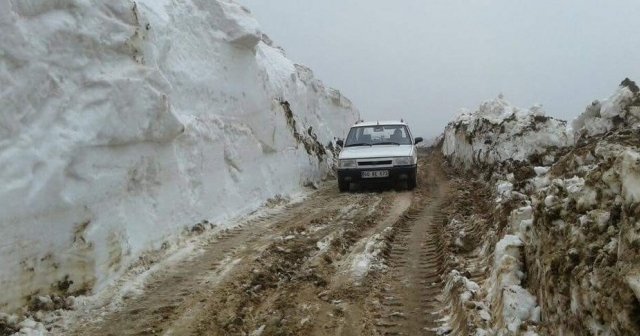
[[559, 253], [499, 131], [125, 122]]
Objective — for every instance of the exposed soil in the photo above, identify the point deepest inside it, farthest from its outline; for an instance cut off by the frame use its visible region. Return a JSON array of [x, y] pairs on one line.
[[407, 299], [293, 273]]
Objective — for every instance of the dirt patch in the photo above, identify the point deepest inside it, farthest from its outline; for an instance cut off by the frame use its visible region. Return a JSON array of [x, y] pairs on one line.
[[289, 286], [406, 299]]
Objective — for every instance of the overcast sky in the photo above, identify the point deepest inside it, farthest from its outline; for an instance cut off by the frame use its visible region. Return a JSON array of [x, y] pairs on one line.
[[423, 60]]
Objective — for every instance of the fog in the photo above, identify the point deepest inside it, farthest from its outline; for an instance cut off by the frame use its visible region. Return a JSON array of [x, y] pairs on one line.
[[424, 60]]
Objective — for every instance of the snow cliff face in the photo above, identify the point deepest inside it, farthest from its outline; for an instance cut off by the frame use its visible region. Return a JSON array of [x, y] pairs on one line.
[[124, 122], [563, 256], [498, 131]]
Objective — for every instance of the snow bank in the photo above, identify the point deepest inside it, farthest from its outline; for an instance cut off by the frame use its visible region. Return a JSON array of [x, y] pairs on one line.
[[498, 131], [512, 304], [565, 237], [124, 122], [620, 110], [466, 309], [589, 216]]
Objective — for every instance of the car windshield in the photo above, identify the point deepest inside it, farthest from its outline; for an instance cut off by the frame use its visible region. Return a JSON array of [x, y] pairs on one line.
[[378, 135]]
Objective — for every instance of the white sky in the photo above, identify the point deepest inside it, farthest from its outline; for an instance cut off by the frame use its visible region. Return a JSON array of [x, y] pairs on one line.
[[422, 60]]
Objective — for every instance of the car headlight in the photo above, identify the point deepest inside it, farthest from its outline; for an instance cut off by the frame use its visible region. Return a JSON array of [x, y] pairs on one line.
[[404, 161], [346, 163]]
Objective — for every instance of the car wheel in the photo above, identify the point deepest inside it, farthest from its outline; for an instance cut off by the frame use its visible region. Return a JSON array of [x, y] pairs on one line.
[[412, 182], [343, 186]]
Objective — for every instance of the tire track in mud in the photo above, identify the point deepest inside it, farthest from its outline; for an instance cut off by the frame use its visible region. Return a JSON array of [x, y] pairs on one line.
[[408, 297], [207, 294], [341, 310], [287, 286], [177, 290]]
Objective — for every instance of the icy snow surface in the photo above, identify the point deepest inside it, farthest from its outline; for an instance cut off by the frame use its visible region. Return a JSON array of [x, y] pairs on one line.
[[124, 122]]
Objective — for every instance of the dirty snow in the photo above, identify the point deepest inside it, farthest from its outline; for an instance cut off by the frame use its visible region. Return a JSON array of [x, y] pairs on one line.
[[565, 257], [620, 109], [371, 257], [498, 131]]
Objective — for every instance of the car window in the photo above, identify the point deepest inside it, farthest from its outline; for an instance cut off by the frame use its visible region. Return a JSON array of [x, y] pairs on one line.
[[378, 134]]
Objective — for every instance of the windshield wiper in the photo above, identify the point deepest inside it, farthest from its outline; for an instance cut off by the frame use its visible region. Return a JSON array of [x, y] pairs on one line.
[[387, 143], [358, 144]]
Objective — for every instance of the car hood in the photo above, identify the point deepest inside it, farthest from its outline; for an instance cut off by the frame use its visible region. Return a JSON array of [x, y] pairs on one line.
[[379, 151]]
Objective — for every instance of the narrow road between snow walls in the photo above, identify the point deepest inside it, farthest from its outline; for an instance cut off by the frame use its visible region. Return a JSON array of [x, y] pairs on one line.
[[166, 169], [456, 256], [547, 245], [360, 263]]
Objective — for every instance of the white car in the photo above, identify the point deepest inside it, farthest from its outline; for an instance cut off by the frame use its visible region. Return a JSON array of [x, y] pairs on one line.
[[375, 151]]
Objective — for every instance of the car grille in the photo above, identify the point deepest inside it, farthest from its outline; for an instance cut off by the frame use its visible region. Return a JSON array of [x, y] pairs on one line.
[[374, 163]]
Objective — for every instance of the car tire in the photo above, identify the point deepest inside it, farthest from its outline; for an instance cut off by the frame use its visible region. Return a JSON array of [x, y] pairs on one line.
[[344, 186], [412, 182]]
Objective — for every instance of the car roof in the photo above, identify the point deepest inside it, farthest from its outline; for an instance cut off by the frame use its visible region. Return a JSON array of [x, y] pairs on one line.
[[381, 122]]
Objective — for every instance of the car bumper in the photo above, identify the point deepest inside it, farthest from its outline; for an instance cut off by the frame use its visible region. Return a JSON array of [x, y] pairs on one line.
[[395, 174]]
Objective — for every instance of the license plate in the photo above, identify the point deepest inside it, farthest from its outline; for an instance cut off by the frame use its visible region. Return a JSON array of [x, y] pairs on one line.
[[375, 174]]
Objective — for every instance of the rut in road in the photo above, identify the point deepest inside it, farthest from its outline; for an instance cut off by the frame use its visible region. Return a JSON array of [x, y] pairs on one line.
[[176, 290], [297, 282], [409, 295], [245, 275]]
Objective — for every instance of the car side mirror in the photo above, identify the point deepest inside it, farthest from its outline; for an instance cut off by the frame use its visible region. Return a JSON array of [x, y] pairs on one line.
[[340, 142], [417, 140]]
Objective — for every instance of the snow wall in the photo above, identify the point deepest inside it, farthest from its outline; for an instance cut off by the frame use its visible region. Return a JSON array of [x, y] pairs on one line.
[[123, 122], [566, 219], [498, 131]]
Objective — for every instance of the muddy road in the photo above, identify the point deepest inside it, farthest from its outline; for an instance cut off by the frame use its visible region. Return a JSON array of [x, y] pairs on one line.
[[363, 263]]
